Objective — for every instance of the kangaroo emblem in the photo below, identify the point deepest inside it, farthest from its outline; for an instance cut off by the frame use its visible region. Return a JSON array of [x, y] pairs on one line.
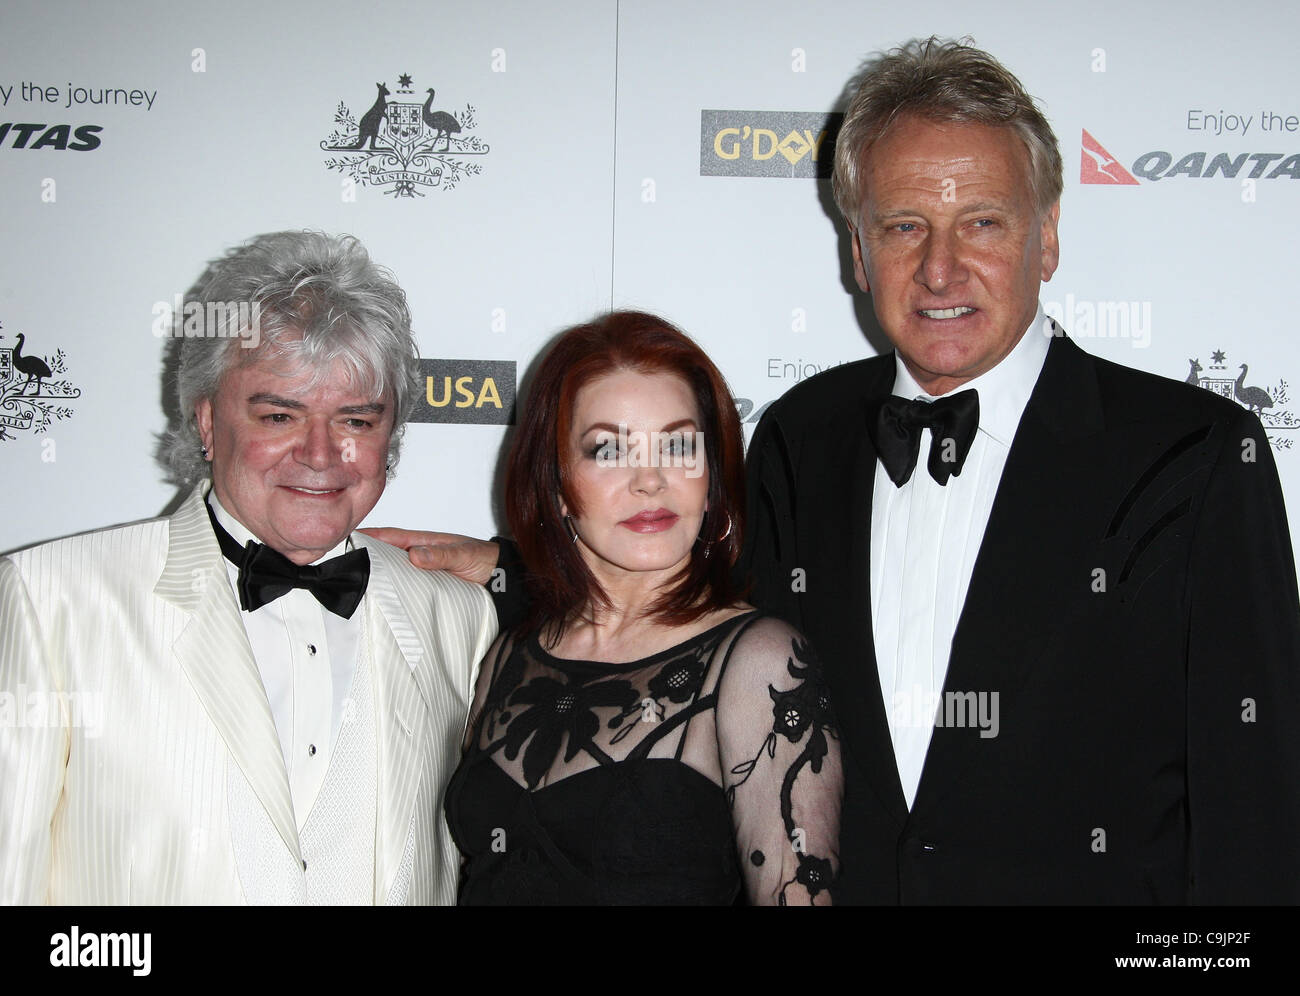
[[370, 120], [398, 145]]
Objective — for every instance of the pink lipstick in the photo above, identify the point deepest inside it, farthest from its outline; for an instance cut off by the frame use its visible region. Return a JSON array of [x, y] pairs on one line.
[[655, 521]]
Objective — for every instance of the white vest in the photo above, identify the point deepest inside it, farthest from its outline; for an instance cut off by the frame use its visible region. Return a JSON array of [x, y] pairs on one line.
[[337, 841]]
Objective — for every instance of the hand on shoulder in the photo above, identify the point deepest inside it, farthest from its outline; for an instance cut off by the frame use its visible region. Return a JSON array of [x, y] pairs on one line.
[[470, 559]]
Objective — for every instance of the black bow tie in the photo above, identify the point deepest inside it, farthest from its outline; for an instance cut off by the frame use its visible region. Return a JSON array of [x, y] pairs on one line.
[[952, 422], [266, 574]]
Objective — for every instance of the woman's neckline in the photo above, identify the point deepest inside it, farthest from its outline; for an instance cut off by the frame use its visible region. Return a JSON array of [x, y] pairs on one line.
[[535, 644]]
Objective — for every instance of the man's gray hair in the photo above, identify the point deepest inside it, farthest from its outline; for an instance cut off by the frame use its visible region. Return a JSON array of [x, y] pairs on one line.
[[315, 298], [940, 81]]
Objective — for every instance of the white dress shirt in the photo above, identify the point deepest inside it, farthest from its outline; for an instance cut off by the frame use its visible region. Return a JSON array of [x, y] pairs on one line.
[[924, 542], [306, 656]]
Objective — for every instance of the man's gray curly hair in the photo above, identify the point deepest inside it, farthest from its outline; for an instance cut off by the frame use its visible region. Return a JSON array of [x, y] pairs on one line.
[[317, 298]]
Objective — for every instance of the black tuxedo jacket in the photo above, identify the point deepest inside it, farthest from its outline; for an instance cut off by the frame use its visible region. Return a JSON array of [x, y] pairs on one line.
[[1134, 606]]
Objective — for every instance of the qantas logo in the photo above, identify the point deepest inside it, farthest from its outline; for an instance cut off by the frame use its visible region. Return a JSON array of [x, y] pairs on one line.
[[1097, 165]]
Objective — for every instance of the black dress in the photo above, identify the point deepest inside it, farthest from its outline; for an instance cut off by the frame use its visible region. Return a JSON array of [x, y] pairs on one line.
[[592, 783]]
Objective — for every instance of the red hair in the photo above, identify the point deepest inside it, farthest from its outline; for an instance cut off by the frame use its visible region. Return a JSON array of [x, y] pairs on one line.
[[538, 476]]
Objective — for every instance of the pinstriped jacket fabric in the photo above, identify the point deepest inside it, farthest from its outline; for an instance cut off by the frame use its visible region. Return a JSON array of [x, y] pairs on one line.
[[133, 719]]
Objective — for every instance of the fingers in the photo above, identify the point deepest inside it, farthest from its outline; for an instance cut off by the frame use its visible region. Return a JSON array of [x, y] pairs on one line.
[[407, 538], [471, 560], [436, 558], [468, 558]]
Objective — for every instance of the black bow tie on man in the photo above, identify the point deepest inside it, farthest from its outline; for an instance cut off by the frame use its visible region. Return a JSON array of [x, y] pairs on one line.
[[266, 574], [952, 422]]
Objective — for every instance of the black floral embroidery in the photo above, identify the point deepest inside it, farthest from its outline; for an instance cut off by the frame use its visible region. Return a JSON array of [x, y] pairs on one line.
[[536, 714], [802, 713], [804, 707], [814, 874], [494, 704], [679, 681], [556, 709]]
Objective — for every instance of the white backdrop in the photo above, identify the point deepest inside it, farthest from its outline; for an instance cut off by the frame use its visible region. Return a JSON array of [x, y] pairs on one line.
[[578, 182]]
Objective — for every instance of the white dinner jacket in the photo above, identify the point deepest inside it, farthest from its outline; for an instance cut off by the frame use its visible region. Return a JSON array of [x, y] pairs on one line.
[[139, 762]]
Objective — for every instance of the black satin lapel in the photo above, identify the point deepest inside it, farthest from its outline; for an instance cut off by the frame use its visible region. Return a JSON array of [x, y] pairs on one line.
[[1031, 569], [836, 514]]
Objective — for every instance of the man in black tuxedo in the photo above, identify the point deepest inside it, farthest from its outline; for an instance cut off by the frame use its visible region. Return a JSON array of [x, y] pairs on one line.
[[1057, 606]]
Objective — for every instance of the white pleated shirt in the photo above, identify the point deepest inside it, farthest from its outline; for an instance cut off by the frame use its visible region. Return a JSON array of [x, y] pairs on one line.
[[924, 542], [307, 656]]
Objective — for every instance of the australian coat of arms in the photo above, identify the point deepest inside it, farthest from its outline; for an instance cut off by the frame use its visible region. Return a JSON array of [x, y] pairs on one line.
[[404, 144], [1270, 402], [33, 394]]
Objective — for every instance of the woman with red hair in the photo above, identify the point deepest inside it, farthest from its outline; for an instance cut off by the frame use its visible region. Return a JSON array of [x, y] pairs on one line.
[[645, 737]]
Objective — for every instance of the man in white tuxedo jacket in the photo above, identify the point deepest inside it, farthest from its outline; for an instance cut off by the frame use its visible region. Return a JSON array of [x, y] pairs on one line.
[[246, 702]]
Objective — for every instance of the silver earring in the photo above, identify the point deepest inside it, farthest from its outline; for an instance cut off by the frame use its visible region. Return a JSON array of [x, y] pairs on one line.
[[728, 532], [709, 546], [573, 530], [204, 450]]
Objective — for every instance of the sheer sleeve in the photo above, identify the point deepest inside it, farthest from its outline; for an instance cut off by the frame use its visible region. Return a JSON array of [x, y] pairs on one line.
[[780, 756], [487, 686]]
